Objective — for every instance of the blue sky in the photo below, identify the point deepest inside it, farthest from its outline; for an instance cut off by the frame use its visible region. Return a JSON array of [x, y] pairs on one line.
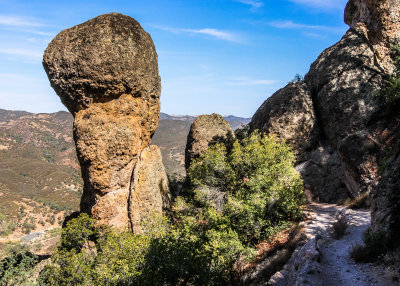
[[224, 56]]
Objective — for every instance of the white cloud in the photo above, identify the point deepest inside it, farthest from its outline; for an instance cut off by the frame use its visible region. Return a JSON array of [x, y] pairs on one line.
[[253, 3], [322, 4], [25, 53], [18, 21], [215, 33], [24, 25], [293, 25], [250, 81]]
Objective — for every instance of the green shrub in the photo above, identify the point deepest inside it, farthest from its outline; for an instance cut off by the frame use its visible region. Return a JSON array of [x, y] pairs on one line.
[[263, 190], [17, 267]]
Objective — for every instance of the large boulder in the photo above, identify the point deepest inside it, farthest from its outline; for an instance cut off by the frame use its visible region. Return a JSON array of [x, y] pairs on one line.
[[289, 113], [343, 82], [324, 177], [106, 73], [360, 155], [205, 131]]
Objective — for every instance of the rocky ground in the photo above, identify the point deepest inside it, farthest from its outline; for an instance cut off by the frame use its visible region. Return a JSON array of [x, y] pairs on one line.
[[325, 261]]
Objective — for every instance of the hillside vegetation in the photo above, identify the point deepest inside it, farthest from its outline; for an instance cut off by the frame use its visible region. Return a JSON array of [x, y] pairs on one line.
[[40, 179]]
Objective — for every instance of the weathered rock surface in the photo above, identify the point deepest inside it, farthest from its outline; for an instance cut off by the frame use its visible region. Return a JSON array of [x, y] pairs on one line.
[[343, 81], [385, 208], [106, 73], [360, 154], [205, 130], [149, 190], [102, 59], [289, 113], [323, 176], [382, 21], [304, 261]]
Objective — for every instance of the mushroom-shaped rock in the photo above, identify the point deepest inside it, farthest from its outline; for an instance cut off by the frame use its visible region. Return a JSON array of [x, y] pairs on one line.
[[205, 131], [106, 73]]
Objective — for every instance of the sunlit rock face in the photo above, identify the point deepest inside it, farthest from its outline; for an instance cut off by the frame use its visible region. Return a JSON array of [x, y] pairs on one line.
[[332, 117], [105, 71], [381, 19], [205, 130]]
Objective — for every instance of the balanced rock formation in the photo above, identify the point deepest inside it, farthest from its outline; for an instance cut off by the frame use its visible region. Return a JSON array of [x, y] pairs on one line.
[[106, 73], [338, 142], [205, 131]]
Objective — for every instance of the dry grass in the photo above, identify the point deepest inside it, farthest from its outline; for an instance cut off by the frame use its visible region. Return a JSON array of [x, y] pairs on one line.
[[361, 202], [272, 255], [339, 226]]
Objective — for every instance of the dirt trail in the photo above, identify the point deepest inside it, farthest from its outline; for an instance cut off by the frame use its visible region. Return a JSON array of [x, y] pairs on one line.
[[336, 267]]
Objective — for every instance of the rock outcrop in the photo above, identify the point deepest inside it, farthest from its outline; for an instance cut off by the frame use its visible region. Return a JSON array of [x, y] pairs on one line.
[[381, 19], [149, 190], [385, 198], [106, 73], [338, 144], [205, 131], [290, 114]]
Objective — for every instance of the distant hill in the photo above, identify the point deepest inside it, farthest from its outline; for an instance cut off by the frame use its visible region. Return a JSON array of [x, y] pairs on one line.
[[234, 121], [40, 178]]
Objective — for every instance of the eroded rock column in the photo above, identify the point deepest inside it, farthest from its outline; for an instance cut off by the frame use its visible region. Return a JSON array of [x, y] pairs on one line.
[[106, 73]]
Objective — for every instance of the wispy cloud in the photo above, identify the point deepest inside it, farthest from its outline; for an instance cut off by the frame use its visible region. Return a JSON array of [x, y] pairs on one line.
[[253, 3], [25, 53], [322, 4], [249, 81], [24, 25], [18, 21], [293, 25], [214, 33]]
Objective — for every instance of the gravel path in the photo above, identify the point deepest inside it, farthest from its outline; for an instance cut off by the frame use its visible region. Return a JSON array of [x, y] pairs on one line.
[[336, 267]]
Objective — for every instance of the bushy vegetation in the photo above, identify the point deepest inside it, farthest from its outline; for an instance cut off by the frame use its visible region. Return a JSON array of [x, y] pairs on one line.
[[262, 189], [7, 226], [374, 246], [17, 268], [240, 193]]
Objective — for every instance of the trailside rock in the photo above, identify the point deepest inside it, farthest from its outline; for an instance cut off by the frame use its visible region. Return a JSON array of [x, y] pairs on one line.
[[359, 154], [385, 199], [343, 82], [205, 130], [149, 190], [289, 113], [106, 73], [303, 262], [323, 176]]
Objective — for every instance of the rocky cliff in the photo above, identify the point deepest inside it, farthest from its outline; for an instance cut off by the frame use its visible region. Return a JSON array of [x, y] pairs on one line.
[[106, 73], [334, 118]]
